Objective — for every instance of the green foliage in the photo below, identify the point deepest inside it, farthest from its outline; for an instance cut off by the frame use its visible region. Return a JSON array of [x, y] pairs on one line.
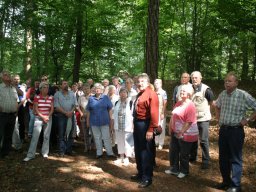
[[193, 35]]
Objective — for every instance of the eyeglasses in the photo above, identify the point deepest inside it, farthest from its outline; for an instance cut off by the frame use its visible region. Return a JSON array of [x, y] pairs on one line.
[[44, 79]]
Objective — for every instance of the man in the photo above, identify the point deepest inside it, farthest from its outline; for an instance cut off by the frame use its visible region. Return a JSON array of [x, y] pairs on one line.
[[202, 98], [146, 118], [8, 109], [65, 103], [184, 80], [232, 106], [162, 109], [21, 90]]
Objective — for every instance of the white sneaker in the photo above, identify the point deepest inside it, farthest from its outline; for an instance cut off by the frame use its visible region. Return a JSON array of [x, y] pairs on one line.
[[27, 159], [169, 172], [160, 147], [181, 175], [45, 156], [126, 161], [118, 161]]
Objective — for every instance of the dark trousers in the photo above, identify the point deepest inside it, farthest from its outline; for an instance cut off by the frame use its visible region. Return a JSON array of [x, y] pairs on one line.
[[7, 123], [203, 128], [21, 120], [65, 141], [179, 154], [231, 142], [144, 150]]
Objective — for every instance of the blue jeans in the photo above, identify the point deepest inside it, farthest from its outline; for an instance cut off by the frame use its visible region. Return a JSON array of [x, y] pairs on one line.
[[65, 139], [102, 133], [31, 122], [203, 128], [231, 142], [144, 150]]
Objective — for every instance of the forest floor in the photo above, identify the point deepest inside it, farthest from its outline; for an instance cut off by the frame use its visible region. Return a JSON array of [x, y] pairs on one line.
[[82, 172]]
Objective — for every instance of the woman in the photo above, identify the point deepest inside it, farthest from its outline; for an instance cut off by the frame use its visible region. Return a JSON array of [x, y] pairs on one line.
[[184, 131], [99, 113], [123, 125], [132, 93], [82, 102], [113, 98], [43, 107]]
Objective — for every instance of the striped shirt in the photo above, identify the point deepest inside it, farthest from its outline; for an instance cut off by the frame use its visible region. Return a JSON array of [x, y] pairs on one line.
[[8, 99], [44, 104], [233, 107]]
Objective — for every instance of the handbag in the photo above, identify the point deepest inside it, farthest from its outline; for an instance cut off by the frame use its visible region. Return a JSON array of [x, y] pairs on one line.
[[157, 130]]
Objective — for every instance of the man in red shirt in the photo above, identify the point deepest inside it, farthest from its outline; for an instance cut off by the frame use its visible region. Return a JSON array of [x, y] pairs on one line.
[[146, 118]]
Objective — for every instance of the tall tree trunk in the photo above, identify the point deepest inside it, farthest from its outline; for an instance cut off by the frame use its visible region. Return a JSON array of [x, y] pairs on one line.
[[245, 66], [29, 39], [230, 63], [152, 54], [78, 52], [193, 46], [254, 61]]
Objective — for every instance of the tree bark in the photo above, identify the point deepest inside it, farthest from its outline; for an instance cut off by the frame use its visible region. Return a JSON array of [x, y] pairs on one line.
[[78, 49], [152, 54]]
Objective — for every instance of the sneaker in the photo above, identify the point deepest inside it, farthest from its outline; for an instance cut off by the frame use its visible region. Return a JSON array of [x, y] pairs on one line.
[[181, 175], [45, 156], [169, 172], [126, 162], [27, 159], [118, 161], [160, 147]]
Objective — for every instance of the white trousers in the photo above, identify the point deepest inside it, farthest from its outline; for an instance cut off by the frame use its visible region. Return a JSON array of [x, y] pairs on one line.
[[39, 125]]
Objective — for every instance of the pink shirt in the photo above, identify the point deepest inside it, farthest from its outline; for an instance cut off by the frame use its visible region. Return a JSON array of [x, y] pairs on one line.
[[44, 104], [182, 114]]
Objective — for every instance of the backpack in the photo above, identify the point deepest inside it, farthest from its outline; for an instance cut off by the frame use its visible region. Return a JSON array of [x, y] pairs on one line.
[[129, 103]]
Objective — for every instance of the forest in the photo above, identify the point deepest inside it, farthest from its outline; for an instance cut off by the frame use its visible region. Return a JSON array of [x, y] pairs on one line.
[[80, 39]]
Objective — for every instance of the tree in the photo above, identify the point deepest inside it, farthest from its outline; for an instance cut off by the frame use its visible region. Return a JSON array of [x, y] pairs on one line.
[[152, 54]]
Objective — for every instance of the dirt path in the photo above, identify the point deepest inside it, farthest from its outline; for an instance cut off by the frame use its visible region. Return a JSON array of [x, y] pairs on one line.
[[82, 172]]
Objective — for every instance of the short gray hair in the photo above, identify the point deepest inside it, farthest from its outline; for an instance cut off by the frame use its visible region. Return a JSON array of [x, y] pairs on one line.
[[42, 84], [98, 85], [196, 72]]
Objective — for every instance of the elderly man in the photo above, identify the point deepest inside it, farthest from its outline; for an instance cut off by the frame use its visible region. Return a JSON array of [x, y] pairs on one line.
[[146, 118], [8, 109], [232, 106], [202, 98], [184, 80], [65, 103]]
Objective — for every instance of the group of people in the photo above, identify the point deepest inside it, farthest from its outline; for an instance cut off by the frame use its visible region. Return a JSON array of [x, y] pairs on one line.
[[190, 120], [127, 113]]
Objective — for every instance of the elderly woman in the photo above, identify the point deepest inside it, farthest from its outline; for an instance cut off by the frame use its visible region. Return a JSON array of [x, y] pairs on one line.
[[123, 125], [113, 98], [43, 109], [184, 131], [82, 102], [132, 93], [99, 113]]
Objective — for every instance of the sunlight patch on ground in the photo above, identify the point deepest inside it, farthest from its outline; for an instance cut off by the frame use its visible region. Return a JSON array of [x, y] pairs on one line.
[[63, 159]]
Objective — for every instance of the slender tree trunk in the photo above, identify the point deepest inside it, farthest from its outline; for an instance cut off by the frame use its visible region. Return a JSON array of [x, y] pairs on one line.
[[245, 66], [152, 54], [29, 39], [78, 49], [254, 62]]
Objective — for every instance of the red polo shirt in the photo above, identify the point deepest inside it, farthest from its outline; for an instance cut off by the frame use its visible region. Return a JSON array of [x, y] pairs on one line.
[[148, 107]]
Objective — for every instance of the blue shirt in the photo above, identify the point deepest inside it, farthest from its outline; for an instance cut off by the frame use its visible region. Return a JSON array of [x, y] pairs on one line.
[[66, 102], [99, 110]]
